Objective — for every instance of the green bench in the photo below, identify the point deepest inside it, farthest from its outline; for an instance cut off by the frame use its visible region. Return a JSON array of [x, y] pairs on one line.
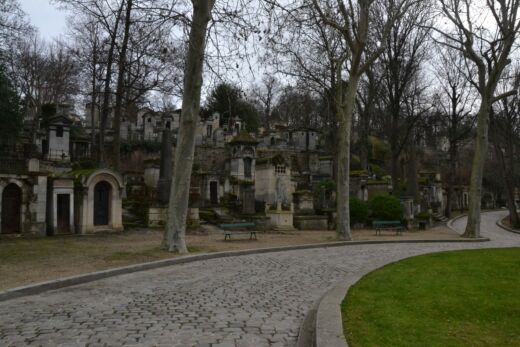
[[238, 229], [391, 225]]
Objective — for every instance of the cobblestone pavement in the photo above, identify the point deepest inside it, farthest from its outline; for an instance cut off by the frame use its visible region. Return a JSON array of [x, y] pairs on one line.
[[253, 300]]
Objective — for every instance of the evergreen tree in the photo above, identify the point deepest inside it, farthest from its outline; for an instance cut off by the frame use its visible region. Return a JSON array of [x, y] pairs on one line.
[[10, 113]]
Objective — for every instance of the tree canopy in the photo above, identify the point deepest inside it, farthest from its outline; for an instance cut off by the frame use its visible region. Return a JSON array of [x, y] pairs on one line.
[[10, 113], [230, 102]]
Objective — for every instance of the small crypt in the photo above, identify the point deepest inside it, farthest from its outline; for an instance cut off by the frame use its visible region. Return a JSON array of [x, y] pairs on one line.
[[98, 194]]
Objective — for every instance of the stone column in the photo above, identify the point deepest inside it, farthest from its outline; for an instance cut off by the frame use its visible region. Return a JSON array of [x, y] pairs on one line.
[[165, 173]]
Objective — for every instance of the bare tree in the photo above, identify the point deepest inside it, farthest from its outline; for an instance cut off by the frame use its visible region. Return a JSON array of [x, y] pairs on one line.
[[454, 103], [266, 93], [174, 236], [118, 109], [367, 103], [402, 62], [351, 36], [43, 74], [13, 23], [505, 125], [107, 15], [87, 37], [354, 22], [486, 48]]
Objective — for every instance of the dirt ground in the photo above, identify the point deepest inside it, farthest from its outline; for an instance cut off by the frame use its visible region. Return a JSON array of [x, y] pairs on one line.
[[26, 260]]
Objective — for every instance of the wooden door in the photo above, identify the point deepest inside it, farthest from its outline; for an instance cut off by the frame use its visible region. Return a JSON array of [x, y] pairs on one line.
[[102, 203], [11, 209], [213, 192], [63, 213]]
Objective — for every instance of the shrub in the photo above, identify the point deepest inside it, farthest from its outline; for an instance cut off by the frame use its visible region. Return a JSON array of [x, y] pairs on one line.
[[385, 207], [355, 162], [378, 171], [358, 211]]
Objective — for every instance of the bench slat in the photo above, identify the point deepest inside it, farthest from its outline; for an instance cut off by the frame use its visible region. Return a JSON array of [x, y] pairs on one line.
[[237, 225]]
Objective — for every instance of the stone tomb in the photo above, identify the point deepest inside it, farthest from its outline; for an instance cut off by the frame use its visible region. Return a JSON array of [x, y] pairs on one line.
[[305, 217], [98, 196], [60, 206]]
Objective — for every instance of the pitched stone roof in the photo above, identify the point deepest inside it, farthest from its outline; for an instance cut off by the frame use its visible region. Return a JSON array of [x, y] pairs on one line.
[[243, 137]]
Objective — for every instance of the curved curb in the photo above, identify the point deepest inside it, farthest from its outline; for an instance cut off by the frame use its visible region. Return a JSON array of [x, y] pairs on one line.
[[329, 321], [98, 275], [506, 228], [449, 224]]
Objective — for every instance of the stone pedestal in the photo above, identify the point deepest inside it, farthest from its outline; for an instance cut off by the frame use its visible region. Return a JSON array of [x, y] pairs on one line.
[[311, 222], [157, 217], [193, 218], [280, 219], [304, 201]]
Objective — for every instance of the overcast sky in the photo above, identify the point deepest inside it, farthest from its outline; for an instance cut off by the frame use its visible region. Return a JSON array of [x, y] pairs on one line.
[[46, 17]]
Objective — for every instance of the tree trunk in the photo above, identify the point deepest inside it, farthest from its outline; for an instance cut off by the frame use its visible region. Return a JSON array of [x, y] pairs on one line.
[[451, 180], [116, 144], [106, 93], [345, 111], [514, 219], [412, 185], [506, 167], [477, 169], [93, 99], [174, 236], [395, 173], [508, 185], [394, 151]]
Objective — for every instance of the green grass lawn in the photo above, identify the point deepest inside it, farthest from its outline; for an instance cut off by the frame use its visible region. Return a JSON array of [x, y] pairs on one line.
[[463, 298]]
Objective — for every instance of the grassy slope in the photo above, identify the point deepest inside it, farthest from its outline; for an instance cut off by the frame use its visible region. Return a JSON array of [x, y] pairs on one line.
[[464, 298]]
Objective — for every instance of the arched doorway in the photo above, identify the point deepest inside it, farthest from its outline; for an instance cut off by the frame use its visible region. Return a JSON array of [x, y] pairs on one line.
[[102, 203], [11, 209]]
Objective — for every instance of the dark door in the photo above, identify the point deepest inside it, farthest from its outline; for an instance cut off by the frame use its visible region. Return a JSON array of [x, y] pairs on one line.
[[11, 209], [248, 162], [63, 213], [213, 192], [101, 203]]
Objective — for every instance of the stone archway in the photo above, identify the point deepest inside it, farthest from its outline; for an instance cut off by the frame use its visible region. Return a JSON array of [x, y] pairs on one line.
[[11, 209], [102, 198]]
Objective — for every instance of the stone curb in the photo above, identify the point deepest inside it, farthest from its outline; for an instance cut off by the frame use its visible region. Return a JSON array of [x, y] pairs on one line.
[[329, 323], [98, 275], [449, 224], [506, 228]]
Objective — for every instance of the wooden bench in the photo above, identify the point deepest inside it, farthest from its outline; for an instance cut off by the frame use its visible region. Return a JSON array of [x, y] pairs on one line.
[[238, 229], [392, 225]]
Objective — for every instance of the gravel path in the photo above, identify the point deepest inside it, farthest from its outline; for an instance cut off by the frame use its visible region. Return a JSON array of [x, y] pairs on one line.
[[253, 300]]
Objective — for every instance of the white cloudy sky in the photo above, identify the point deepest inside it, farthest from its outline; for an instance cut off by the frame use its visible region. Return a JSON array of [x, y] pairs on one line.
[[46, 17]]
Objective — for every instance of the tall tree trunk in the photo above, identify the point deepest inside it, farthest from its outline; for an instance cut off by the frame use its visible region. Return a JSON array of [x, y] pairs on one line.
[[394, 167], [93, 100], [174, 236], [345, 111], [411, 185], [477, 169], [394, 153], [507, 178], [506, 167], [106, 93], [451, 180], [116, 144], [514, 219]]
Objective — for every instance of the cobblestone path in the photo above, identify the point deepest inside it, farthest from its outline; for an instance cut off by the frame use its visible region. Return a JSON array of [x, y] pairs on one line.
[[253, 300]]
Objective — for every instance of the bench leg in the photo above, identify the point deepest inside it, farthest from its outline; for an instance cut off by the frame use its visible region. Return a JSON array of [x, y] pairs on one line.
[[227, 236], [253, 233]]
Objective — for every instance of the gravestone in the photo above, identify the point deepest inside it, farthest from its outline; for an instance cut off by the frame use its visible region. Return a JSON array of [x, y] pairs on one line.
[[248, 200]]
